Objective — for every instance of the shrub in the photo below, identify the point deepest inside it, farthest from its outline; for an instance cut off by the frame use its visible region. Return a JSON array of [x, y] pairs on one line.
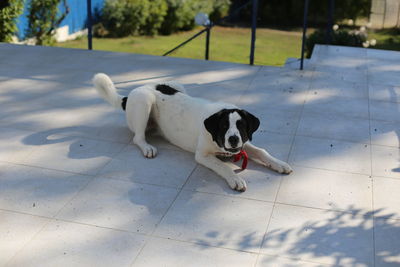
[[157, 11], [220, 9], [124, 17], [43, 19], [290, 12], [339, 37], [181, 13], [9, 11]]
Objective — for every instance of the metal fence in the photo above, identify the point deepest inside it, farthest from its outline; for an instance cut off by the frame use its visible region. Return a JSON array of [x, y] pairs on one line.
[[208, 27]]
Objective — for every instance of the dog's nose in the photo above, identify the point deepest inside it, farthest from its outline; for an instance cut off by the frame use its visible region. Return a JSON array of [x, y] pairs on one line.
[[233, 140]]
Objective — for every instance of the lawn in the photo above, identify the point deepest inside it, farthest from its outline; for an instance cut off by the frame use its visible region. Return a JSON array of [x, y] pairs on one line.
[[273, 47], [388, 39]]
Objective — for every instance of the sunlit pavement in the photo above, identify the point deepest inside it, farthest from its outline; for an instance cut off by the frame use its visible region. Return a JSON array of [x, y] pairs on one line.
[[74, 191]]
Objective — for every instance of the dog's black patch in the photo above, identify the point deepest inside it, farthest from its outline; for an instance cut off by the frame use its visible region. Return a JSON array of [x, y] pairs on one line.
[[247, 125], [166, 90], [123, 103], [218, 123]]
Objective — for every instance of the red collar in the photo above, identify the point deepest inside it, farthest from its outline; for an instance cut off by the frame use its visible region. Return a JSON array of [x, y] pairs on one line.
[[239, 156]]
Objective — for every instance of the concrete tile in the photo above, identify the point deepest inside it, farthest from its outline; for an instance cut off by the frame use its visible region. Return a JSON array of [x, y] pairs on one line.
[[385, 75], [265, 260], [71, 96], [337, 86], [346, 51], [387, 244], [79, 155], [37, 191], [386, 201], [334, 127], [342, 64], [13, 145], [163, 252], [15, 231], [160, 143], [354, 81], [331, 155], [69, 244], [49, 117], [169, 168], [119, 205], [336, 191], [58, 74], [386, 111], [23, 90], [278, 145], [236, 74], [385, 161], [380, 92], [385, 133], [269, 78], [337, 105], [320, 236], [214, 220], [262, 184], [229, 92], [384, 55], [278, 121], [256, 100]]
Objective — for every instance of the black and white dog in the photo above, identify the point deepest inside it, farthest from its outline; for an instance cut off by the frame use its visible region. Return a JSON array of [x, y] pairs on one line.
[[208, 129]]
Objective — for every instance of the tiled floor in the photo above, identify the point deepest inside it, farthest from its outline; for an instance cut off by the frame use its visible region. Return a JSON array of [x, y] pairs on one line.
[[74, 191]]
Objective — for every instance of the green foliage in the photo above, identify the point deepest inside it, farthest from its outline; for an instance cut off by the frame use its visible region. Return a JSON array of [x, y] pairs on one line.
[[181, 13], [339, 37], [9, 11], [43, 19], [157, 12], [290, 12], [121, 18], [124, 17], [220, 9]]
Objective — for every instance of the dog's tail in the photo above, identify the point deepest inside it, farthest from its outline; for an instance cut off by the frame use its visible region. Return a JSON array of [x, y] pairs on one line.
[[106, 89]]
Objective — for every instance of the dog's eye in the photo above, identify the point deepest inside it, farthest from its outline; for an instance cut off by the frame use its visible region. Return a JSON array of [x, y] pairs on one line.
[[225, 125]]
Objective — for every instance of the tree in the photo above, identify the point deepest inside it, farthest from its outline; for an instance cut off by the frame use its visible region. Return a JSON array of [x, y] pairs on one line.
[[43, 19], [9, 11]]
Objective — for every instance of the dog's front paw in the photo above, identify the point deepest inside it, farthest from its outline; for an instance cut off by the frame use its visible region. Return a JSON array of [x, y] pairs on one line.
[[284, 168], [237, 183], [149, 151]]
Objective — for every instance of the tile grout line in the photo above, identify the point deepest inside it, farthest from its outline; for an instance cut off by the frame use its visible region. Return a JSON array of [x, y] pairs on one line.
[[50, 219], [370, 154], [165, 213], [47, 169], [287, 159], [53, 218], [160, 237], [249, 84]]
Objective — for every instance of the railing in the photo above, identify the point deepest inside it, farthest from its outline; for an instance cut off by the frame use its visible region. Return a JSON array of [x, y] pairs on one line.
[[328, 36], [208, 27]]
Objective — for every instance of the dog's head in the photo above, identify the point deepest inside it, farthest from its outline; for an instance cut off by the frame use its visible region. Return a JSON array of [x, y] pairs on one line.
[[231, 128]]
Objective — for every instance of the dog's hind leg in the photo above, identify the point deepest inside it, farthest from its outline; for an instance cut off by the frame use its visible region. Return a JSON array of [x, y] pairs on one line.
[[262, 157], [138, 109]]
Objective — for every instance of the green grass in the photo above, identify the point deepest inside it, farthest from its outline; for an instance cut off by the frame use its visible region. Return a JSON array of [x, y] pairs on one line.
[[388, 39], [273, 47]]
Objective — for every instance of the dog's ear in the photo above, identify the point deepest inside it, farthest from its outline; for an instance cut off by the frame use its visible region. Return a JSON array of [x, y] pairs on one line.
[[252, 122], [212, 124]]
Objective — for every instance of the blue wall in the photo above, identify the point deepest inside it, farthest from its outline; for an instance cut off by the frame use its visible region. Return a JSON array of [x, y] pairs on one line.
[[75, 19]]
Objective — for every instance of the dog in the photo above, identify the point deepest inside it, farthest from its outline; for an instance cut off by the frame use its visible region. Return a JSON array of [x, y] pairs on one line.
[[210, 130]]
